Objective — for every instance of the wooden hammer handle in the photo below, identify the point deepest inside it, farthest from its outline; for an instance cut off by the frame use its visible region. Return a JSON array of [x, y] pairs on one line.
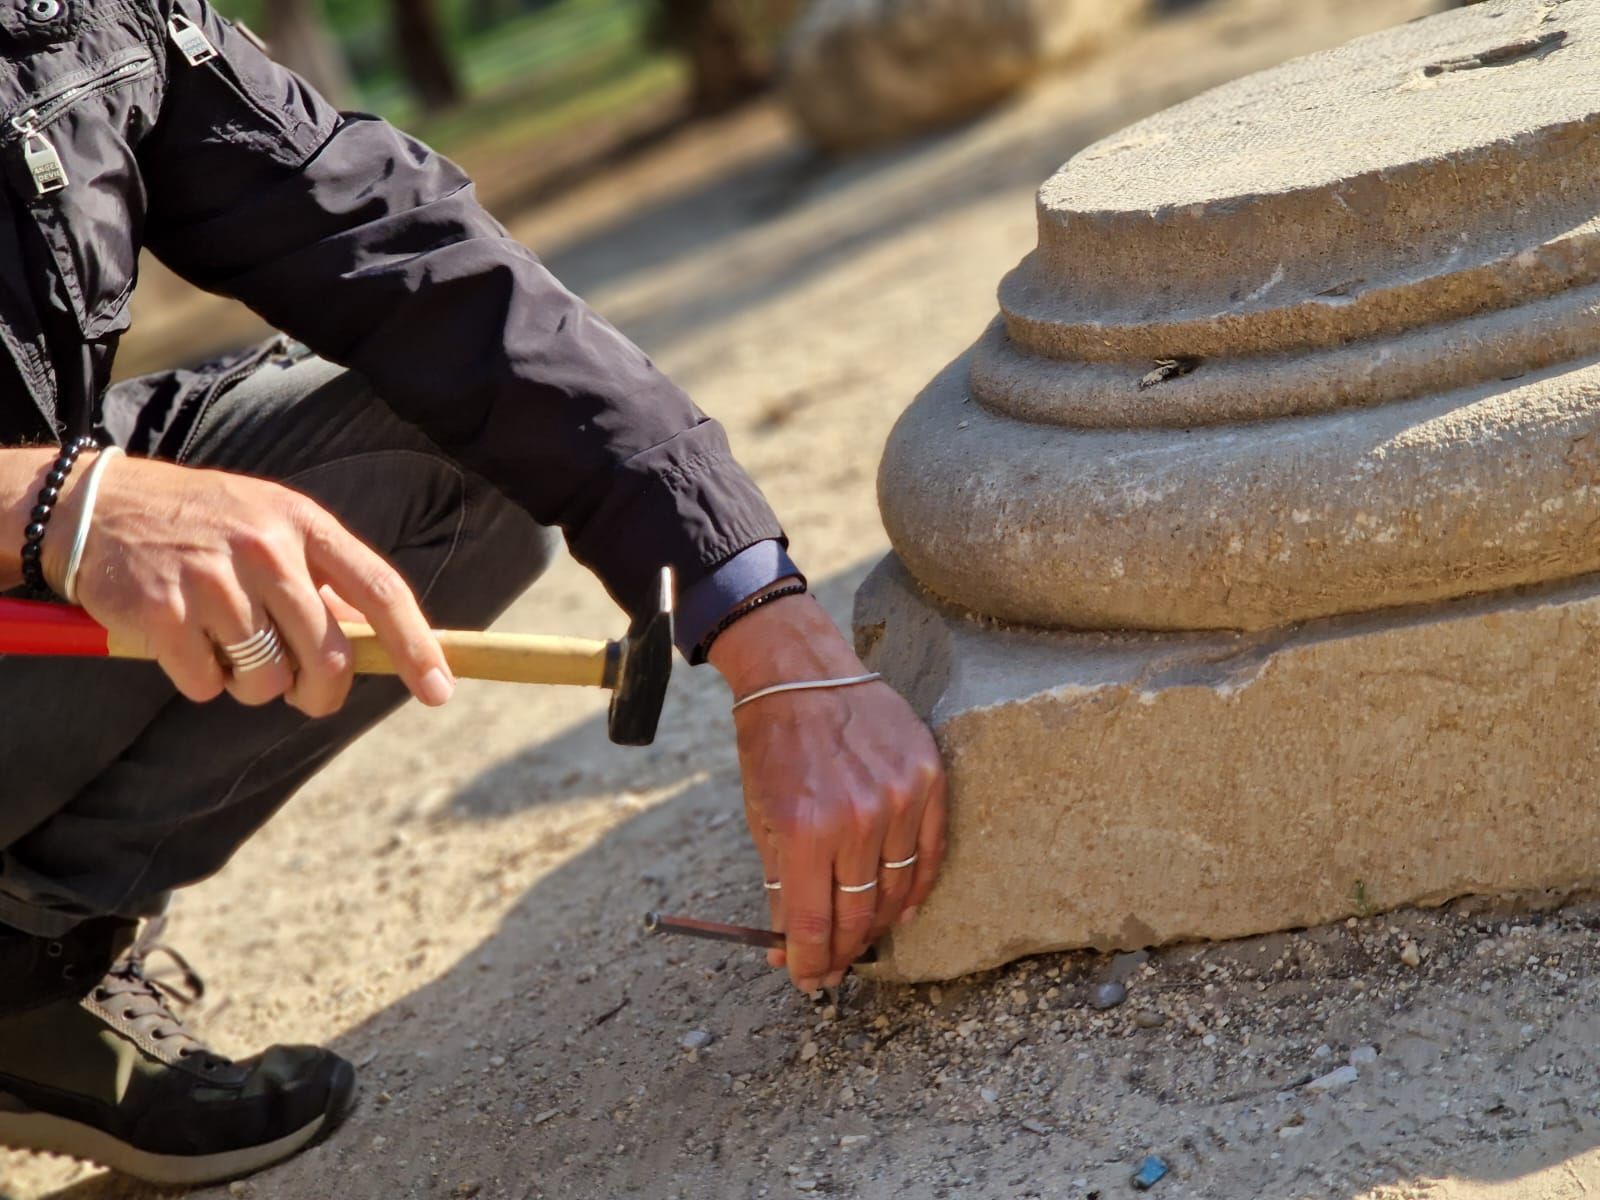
[[510, 657], [29, 627]]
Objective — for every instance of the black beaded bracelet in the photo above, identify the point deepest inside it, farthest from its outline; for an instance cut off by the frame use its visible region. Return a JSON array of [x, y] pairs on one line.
[[44, 504], [744, 608]]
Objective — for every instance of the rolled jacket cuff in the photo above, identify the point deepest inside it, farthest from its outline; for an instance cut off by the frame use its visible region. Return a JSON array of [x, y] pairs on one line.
[[705, 603]]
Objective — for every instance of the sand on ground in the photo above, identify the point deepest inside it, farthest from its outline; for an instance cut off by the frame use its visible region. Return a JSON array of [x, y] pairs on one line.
[[455, 903]]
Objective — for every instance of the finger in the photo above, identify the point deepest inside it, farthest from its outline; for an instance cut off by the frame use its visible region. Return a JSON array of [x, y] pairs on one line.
[[190, 661], [341, 608], [384, 599], [771, 874], [899, 844], [805, 864], [932, 841], [894, 889], [854, 912], [229, 618], [767, 851], [325, 664]]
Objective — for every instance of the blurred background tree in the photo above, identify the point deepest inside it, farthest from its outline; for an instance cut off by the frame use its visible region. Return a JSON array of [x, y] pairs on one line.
[[462, 69], [424, 55], [729, 45], [302, 40]]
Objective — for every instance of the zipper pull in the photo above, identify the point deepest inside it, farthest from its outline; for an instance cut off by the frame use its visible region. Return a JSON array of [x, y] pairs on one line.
[[190, 40], [44, 164]]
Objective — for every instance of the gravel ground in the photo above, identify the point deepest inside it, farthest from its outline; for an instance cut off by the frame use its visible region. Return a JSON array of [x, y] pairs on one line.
[[455, 903]]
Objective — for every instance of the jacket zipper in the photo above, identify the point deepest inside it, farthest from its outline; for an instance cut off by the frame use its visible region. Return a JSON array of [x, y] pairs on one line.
[[38, 152]]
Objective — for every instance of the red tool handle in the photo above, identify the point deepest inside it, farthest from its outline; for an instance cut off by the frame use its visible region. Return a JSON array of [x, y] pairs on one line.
[[32, 627]]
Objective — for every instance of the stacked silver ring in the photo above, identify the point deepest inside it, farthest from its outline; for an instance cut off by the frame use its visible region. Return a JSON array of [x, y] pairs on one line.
[[262, 648]]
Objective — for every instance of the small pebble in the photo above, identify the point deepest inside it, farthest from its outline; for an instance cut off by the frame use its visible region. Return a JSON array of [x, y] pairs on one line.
[[1291, 1131], [1107, 995], [851, 1140], [988, 1095], [696, 1039], [808, 1052], [1147, 1019], [1124, 965], [1151, 1172], [805, 1185], [497, 1061], [379, 1142], [1036, 1126], [1410, 955], [1323, 1051], [240, 1188], [546, 1115], [1338, 1078], [1363, 1056]]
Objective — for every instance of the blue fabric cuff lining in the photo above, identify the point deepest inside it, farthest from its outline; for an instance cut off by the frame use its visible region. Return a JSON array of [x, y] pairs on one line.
[[719, 593]]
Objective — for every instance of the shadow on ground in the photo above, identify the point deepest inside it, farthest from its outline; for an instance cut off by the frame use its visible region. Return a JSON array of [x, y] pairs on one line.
[[548, 1062], [527, 780]]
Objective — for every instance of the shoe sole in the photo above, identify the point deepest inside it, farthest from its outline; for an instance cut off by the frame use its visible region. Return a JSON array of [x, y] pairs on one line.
[[45, 1133]]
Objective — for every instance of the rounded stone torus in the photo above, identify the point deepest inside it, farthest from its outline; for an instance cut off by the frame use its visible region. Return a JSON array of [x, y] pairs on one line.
[[1323, 340]]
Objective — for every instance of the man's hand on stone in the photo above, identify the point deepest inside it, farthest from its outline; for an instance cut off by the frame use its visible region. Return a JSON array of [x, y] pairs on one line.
[[185, 561], [837, 783]]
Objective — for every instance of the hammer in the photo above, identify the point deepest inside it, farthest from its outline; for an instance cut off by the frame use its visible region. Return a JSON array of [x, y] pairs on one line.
[[635, 669]]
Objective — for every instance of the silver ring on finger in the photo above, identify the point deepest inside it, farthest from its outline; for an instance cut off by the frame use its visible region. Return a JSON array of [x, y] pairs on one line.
[[901, 865], [855, 888], [261, 649], [772, 885]]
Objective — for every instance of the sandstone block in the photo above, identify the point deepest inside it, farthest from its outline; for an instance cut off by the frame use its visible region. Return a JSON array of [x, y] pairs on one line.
[[864, 71], [1121, 791]]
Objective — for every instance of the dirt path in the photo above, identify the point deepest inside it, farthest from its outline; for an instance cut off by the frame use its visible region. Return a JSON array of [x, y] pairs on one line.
[[454, 904]]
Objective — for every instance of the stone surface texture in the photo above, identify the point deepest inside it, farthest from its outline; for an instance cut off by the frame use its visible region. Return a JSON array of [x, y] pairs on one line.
[[1234, 563], [860, 72], [1122, 791]]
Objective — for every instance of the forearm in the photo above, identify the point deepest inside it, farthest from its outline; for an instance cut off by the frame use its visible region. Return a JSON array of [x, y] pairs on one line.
[[22, 473]]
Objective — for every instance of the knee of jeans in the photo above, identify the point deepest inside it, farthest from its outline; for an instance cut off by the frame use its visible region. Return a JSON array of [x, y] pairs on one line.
[[498, 555], [465, 549]]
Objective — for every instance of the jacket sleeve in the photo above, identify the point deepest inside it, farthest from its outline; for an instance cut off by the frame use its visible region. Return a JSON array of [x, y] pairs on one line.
[[366, 245]]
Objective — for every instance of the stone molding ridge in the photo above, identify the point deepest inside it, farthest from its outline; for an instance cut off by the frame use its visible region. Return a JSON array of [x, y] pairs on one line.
[[1130, 394], [1453, 195], [1232, 526]]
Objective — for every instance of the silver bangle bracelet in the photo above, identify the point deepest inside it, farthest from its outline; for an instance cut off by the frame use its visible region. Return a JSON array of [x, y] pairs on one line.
[[80, 535], [806, 686]]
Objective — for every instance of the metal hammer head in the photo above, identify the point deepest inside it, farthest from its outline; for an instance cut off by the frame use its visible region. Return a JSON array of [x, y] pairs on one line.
[[643, 667]]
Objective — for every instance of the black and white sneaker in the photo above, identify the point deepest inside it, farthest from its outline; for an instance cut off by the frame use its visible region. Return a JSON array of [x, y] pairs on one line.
[[94, 1064]]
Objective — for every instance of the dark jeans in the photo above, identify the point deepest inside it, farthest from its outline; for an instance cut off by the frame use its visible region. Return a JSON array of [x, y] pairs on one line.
[[114, 789]]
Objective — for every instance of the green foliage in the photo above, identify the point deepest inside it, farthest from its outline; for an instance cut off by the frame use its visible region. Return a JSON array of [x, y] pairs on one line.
[[1363, 905], [514, 55]]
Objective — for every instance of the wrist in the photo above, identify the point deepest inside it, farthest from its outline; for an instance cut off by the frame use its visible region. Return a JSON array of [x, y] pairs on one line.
[[788, 640], [56, 547], [22, 472]]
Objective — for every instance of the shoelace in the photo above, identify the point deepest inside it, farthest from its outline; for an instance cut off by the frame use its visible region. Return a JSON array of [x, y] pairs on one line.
[[145, 1002]]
